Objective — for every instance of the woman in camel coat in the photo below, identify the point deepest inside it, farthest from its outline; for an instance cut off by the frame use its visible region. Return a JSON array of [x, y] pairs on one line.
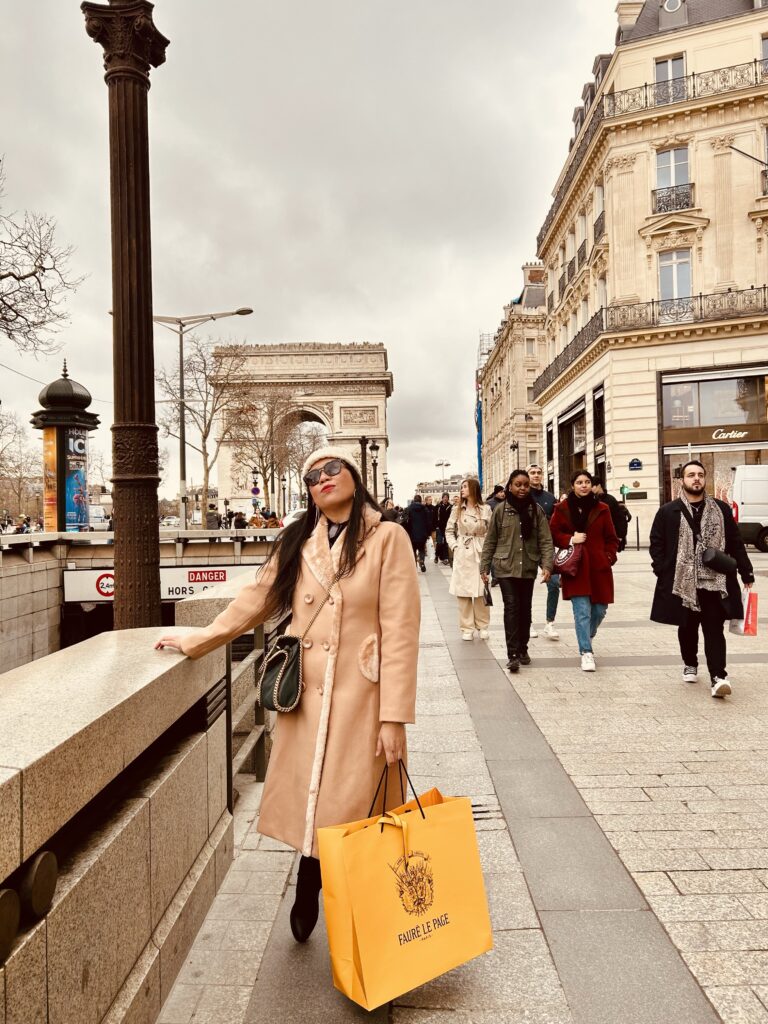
[[359, 670], [465, 534]]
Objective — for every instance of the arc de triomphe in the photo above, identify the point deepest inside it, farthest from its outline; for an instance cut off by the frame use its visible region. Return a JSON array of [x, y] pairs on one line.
[[343, 387]]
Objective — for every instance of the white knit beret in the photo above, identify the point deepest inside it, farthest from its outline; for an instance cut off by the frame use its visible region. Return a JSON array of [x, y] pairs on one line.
[[330, 453]]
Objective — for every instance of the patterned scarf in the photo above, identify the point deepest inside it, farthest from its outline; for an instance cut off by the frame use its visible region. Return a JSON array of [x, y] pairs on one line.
[[690, 573]]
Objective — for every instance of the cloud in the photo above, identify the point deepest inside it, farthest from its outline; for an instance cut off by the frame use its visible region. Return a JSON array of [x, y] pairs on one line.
[[352, 170]]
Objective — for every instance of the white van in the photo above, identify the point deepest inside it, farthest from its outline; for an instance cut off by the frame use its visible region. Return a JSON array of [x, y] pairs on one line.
[[97, 517], [749, 501]]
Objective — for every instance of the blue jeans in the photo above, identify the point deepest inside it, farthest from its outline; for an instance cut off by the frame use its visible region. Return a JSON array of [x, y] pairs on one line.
[[587, 618], [553, 596]]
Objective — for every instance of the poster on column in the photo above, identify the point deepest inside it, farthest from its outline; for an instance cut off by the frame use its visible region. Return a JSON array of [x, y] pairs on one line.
[[75, 479], [50, 487]]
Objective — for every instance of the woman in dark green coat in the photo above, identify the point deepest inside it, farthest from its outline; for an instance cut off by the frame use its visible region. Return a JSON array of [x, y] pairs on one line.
[[518, 544]]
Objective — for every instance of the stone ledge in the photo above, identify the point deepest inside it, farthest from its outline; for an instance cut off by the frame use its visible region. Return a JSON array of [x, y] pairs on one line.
[[72, 721]]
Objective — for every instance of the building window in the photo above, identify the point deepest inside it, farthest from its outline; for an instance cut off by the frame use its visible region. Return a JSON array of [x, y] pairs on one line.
[[680, 404], [675, 274], [533, 456], [550, 443], [713, 403], [672, 167], [530, 347], [530, 395], [670, 81], [602, 292], [598, 412], [584, 313]]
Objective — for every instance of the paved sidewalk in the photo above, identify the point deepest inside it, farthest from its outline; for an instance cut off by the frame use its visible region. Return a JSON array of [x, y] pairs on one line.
[[587, 929]]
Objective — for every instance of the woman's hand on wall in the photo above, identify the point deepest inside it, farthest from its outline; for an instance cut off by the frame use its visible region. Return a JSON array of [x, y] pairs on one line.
[[168, 641], [391, 741]]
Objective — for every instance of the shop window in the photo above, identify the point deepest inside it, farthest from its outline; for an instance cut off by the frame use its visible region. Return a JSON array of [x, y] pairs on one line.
[[550, 443], [598, 412], [680, 404], [736, 400]]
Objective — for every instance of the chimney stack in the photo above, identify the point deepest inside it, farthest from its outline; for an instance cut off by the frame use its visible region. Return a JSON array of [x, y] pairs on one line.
[[628, 12]]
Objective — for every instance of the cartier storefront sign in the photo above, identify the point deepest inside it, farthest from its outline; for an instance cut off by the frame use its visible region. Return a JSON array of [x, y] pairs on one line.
[[743, 433]]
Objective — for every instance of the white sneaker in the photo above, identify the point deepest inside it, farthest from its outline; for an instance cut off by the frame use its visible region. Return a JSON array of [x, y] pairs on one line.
[[690, 674], [484, 634], [550, 632], [467, 634], [588, 662], [720, 687], [533, 634]]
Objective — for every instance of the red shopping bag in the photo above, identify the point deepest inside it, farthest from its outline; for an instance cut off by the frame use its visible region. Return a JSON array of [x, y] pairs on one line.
[[748, 625]]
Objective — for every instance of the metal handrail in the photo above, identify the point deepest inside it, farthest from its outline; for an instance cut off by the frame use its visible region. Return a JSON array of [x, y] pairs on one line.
[[656, 313], [582, 254], [599, 226], [764, 180], [650, 95], [571, 269]]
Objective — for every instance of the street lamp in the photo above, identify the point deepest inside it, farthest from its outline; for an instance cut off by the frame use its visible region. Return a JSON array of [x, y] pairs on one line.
[[283, 482], [443, 464], [180, 325], [364, 459], [374, 449], [386, 487]]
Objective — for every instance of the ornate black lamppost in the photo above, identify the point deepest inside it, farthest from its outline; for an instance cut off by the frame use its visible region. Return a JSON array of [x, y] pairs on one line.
[[131, 45], [364, 459], [283, 482], [374, 448]]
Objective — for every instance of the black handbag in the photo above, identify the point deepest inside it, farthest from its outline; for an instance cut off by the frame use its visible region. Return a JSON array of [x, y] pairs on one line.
[[718, 561], [281, 682], [487, 599]]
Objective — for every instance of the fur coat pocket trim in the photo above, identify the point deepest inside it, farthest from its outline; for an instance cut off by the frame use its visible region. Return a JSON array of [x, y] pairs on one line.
[[368, 658]]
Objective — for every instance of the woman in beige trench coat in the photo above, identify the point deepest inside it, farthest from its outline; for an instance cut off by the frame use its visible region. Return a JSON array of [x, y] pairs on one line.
[[465, 534], [359, 657]]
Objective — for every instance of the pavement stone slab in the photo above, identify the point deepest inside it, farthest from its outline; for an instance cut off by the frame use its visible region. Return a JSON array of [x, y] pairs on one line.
[[737, 1005]]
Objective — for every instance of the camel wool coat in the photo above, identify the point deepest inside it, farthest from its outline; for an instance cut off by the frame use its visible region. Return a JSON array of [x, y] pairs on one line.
[[359, 670]]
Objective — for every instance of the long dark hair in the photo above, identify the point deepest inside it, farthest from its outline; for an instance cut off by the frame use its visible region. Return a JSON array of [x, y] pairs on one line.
[[288, 546]]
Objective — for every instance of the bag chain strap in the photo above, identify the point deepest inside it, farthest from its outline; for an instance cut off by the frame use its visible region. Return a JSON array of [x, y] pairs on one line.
[[322, 604]]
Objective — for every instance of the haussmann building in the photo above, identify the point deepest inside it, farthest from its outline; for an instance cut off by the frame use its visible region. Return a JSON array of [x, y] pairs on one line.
[[656, 253]]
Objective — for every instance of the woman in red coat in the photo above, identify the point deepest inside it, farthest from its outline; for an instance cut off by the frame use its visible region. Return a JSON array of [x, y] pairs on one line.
[[582, 519]]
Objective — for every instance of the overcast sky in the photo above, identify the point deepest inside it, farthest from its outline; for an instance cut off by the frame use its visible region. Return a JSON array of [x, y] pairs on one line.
[[353, 170]]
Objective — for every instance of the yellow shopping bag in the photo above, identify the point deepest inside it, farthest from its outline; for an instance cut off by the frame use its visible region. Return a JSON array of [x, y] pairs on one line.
[[404, 897]]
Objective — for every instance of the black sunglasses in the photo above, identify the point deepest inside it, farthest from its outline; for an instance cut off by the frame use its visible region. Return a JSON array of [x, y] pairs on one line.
[[332, 468]]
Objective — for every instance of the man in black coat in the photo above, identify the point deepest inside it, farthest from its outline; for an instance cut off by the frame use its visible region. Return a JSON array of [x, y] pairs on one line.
[[419, 528], [442, 514], [689, 593]]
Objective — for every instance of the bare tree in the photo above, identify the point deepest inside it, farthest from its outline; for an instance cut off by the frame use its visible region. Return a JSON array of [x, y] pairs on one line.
[[259, 430], [304, 439], [22, 478], [34, 279], [10, 428], [213, 390]]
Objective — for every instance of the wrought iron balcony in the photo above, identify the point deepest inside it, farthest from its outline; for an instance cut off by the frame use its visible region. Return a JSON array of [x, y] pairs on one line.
[[561, 287], [582, 254], [648, 96], [764, 180], [550, 302], [599, 226], [656, 313], [571, 269], [674, 197]]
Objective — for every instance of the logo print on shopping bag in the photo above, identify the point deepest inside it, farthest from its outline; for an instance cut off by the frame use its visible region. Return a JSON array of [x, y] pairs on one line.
[[415, 883]]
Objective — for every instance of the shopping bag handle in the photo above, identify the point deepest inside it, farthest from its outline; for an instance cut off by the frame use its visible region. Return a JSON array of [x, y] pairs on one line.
[[398, 820], [384, 778]]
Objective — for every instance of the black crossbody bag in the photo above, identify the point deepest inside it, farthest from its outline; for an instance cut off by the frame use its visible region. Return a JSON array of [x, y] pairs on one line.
[[281, 682]]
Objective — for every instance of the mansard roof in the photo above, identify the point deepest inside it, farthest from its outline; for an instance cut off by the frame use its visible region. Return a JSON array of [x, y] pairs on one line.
[[700, 12]]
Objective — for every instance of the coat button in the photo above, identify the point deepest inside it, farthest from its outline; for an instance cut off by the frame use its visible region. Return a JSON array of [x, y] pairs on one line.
[[331, 601], [306, 644], [326, 645], [308, 599]]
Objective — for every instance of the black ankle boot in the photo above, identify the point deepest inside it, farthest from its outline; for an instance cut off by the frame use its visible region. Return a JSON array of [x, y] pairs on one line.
[[306, 908]]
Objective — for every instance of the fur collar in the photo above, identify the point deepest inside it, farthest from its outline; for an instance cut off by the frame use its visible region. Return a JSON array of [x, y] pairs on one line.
[[324, 560]]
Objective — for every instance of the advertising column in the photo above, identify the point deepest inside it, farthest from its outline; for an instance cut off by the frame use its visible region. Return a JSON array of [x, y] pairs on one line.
[[75, 479], [50, 489]]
